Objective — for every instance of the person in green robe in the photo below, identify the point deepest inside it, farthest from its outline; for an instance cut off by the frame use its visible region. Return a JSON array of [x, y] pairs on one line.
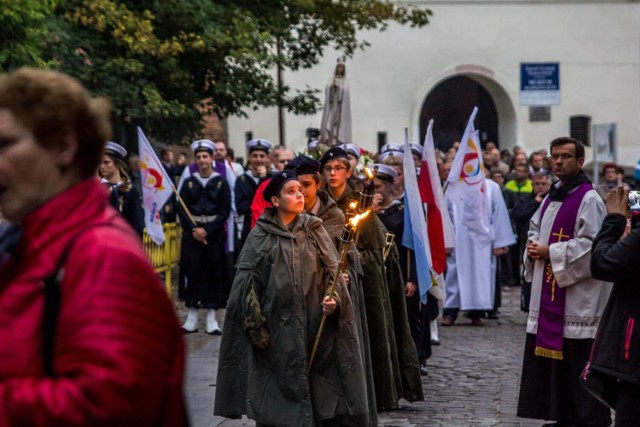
[[396, 369], [278, 298], [317, 202]]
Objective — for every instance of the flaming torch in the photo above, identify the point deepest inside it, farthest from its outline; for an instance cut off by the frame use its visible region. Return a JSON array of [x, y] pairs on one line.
[[348, 232], [366, 195]]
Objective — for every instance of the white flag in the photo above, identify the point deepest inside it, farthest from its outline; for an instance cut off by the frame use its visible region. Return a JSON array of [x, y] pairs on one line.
[[467, 183], [157, 188]]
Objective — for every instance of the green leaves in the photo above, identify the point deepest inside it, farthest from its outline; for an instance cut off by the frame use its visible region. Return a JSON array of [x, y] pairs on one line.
[[165, 63]]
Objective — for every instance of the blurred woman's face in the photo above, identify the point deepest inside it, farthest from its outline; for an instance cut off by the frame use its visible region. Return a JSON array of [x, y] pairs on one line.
[[108, 169], [29, 173]]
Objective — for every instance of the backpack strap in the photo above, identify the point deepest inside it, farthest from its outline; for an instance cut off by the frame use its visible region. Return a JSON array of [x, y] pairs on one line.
[[52, 297]]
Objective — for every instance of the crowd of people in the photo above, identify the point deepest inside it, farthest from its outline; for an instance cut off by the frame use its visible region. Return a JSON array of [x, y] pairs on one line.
[[324, 323]]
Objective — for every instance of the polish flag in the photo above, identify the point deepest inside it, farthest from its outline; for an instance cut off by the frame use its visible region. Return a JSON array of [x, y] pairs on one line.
[[439, 226]]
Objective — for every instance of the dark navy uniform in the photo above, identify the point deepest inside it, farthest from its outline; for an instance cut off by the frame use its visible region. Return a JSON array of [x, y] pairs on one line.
[[210, 205], [245, 190], [393, 220], [126, 200]]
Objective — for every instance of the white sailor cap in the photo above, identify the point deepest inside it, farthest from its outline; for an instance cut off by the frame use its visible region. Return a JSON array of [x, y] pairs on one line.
[[115, 150], [259, 144], [313, 145], [390, 147], [385, 156], [415, 149], [352, 149], [203, 145], [386, 173]]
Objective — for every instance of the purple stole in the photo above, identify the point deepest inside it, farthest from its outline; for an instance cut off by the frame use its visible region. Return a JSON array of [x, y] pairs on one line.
[[552, 299]]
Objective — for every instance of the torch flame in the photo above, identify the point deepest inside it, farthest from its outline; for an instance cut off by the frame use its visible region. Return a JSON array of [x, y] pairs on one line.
[[368, 173], [356, 219], [353, 205]]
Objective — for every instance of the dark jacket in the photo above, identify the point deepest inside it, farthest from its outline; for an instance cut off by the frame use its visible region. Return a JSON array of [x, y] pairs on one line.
[[616, 350]]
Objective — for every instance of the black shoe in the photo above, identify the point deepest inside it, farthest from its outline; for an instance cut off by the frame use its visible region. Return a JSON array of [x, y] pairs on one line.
[[435, 342], [423, 369], [493, 314]]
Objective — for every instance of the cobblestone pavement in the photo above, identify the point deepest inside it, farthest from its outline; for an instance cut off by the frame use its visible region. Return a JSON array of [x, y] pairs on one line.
[[473, 376]]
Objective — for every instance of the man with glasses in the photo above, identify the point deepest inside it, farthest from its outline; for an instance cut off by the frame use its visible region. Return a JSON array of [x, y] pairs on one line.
[[566, 302], [391, 344]]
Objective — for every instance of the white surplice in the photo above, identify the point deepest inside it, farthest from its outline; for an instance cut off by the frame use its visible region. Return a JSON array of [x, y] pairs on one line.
[[586, 297], [471, 270]]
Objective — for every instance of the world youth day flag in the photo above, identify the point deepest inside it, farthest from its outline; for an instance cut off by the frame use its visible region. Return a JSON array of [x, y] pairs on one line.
[[467, 183], [156, 188], [414, 236]]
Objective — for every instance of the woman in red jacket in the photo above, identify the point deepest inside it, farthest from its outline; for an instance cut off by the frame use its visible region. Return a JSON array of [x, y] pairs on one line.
[[87, 335]]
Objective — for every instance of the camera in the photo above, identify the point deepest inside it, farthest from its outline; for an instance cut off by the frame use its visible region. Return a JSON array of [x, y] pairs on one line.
[[634, 200], [634, 205]]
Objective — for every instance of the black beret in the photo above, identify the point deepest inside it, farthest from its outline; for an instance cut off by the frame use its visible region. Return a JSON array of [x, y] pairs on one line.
[[276, 183], [303, 165], [334, 153]]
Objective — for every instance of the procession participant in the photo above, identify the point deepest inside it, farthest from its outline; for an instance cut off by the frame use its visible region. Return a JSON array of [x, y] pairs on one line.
[[123, 195], [283, 274], [416, 153], [391, 212], [393, 378], [353, 153], [88, 335], [247, 184], [207, 196], [566, 302], [317, 202], [470, 281]]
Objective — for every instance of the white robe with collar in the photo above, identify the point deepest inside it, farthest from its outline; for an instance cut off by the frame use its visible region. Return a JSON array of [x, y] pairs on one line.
[[586, 297]]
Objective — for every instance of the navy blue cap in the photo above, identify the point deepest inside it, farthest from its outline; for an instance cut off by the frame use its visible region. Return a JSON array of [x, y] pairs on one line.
[[333, 153], [303, 165], [276, 182]]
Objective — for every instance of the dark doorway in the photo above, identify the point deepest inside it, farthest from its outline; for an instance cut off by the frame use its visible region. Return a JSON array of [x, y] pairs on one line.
[[450, 104]]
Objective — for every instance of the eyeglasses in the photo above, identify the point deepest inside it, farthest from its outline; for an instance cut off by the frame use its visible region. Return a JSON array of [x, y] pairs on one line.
[[329, 169], [563, 156]]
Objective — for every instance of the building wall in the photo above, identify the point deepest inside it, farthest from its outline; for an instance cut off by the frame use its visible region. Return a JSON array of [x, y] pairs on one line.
[[597, 44]]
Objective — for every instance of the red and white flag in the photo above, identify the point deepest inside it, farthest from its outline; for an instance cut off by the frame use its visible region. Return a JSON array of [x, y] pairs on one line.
[[439, 226]]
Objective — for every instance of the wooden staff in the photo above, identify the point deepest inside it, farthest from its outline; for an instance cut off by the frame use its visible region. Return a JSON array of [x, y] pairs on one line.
[[348, 231]]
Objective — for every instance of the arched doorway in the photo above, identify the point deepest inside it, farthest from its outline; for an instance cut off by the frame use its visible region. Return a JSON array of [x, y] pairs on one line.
[[450, 104]]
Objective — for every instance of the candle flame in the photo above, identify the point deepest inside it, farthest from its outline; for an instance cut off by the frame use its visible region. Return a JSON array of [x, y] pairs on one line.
[[356, 219], [368, 173], [353, 205]]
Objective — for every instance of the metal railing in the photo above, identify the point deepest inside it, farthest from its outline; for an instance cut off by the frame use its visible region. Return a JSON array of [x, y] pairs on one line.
[[166, 256]]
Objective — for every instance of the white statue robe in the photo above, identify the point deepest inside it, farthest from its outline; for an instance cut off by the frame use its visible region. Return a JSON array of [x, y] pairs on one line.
[[586, 297], [471, 270], [335, 128]]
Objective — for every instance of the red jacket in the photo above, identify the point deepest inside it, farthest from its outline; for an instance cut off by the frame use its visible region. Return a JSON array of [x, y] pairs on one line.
[[118, 353], [259, 204]]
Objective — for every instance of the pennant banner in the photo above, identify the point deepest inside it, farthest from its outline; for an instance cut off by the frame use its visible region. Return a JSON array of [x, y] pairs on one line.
[[157, 188], [415, 227]]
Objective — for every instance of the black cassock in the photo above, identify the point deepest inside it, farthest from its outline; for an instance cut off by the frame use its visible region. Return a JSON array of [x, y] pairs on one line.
[[203, 265], [245, 190]]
